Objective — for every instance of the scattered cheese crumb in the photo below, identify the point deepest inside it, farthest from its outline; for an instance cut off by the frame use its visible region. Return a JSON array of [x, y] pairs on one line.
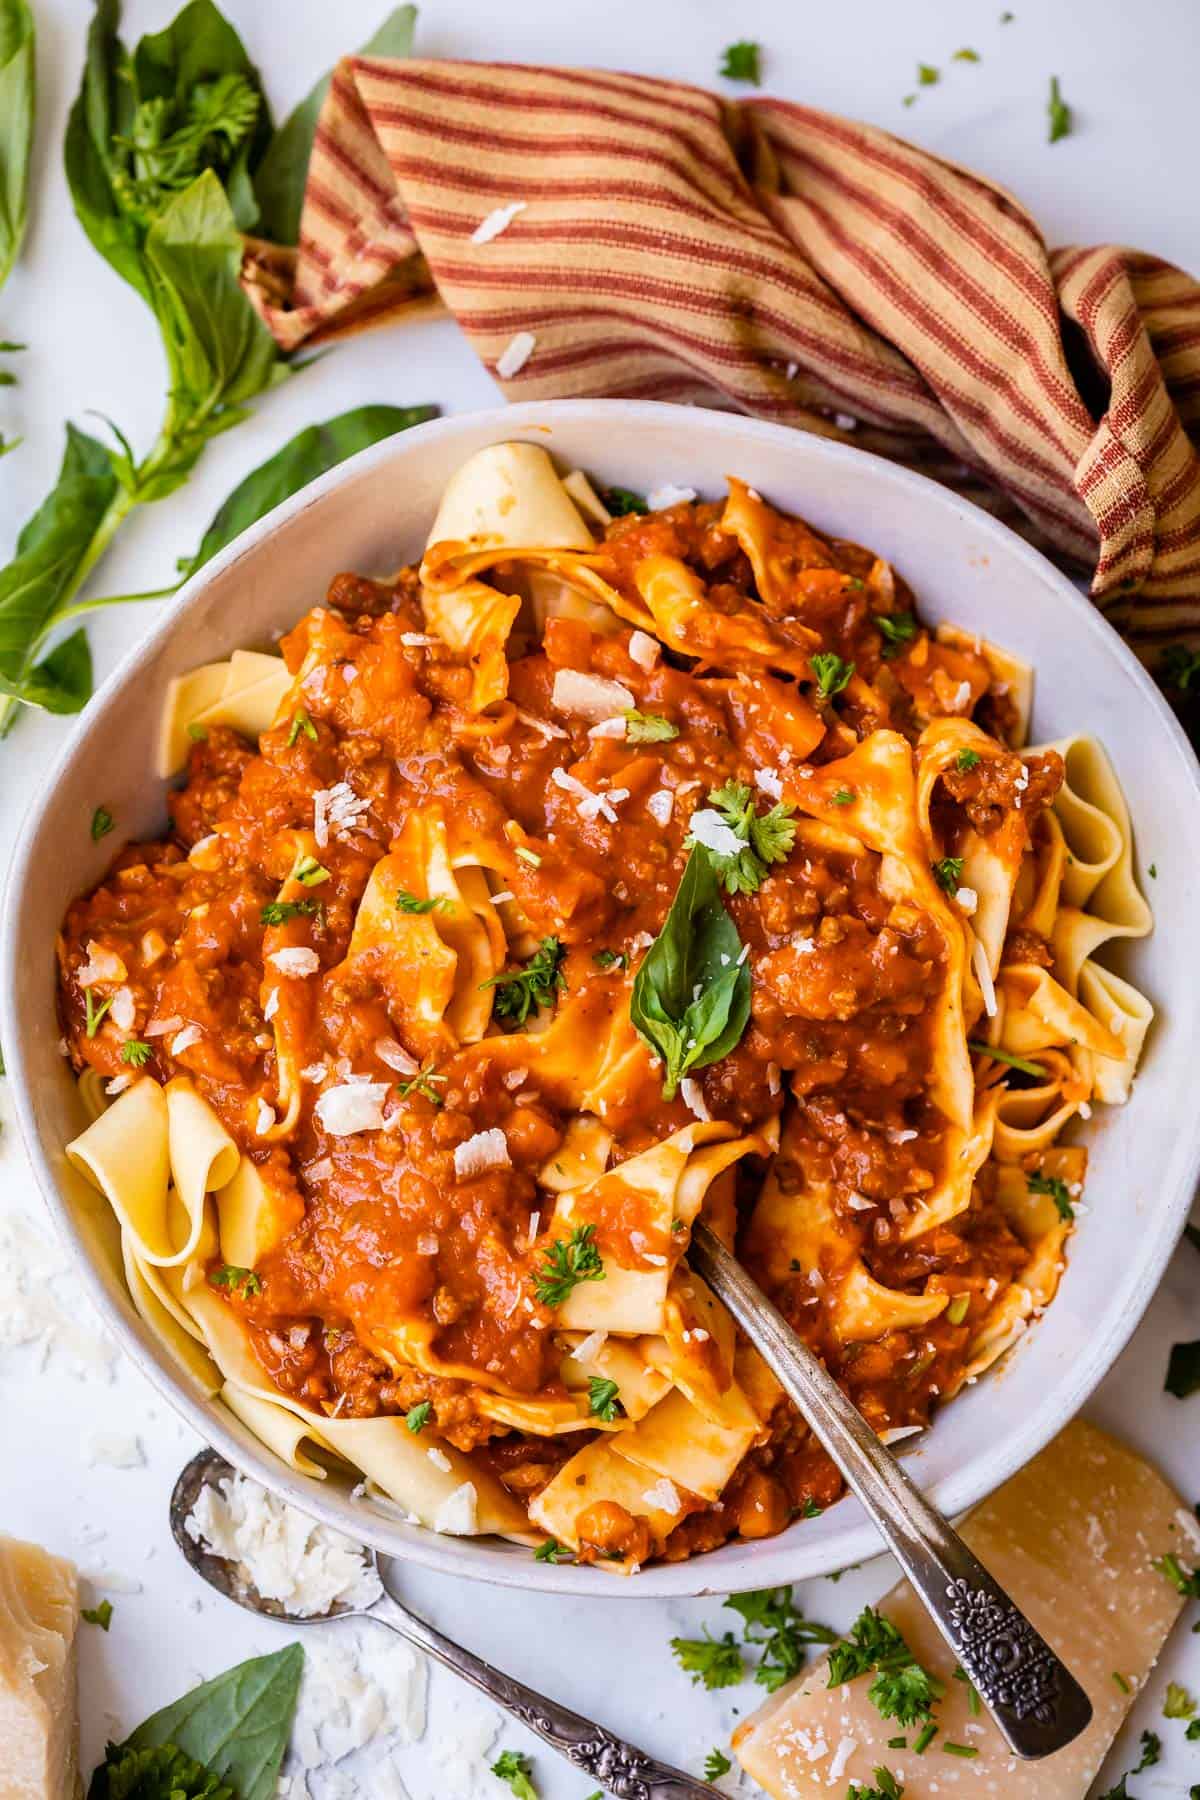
[[588, 696], [515, 355], [709, 828], [769, 782], [967, 898], [352, 1106], [644, 650], [668, 495], [485, 1151], [183, 1040], [497, 221], [692, 1095], [307, 1567], [264, 1118], [295, 961], [457, 1513], [660, 805], [395, 1056], [115, 1450]]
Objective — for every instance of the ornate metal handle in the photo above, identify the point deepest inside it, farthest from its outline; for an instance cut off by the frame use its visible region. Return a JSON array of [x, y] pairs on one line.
[[620, 1767], [1033, 1697]]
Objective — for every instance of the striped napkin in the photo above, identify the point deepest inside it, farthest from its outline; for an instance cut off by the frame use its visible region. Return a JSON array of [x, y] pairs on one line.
[[605, 234]]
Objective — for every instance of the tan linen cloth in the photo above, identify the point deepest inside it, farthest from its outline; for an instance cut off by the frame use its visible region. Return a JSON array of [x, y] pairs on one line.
[[791, 264]]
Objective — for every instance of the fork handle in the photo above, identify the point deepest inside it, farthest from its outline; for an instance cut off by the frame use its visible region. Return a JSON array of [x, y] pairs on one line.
[[1033, 1697], [620, 1767]]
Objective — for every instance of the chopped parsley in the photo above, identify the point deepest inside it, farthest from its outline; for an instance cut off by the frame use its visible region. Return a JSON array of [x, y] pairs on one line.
[[1056, 1187], [568, 1262], [647, 728], [966, 760], [417, 1417], [98, 1615], [514, 1768], [136, 1053], [742, 62], [967, 56], [1178, 1703], [102, 823], [1151, 1751], [785, 1633], [886, 1788], [552, 1552], [844, 797], [623, 501], [1059, 112], [93, 1014], [1183, 1369], [928, 75], [301, 726], [198, 733], [1006, 1056], [409, 903], [519, 991], [238, 1281], [716, 1764], [278, 912], [966, 1750], [309, 872], [611, 959], [1152, 872], [898, 629], [1184, 1581], [810, 1509], [1121, 1681], [768, 837], [831, 672], [947, 872], [604, 1399], [925, 1737], [714, 1662], [902, 1689], [422, 1083]]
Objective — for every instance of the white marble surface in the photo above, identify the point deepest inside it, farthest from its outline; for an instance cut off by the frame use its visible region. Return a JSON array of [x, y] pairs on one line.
[[1126, 176]]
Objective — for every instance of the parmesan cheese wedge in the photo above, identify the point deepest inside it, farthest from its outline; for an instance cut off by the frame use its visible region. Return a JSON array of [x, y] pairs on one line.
[[39, 1727], [1072, 1537]]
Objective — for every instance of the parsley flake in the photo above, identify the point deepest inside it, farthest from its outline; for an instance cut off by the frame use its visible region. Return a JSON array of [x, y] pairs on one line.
[[716, 1764], [514, 1768], [844, 797], [947, 872], [902, 1689], [243, 1282], [409, 903], [611, 959], [647, 728], [568, 1262], [742, 62], [768, 837], [98, 1615], [278, 912], [1183, 1369], [551, 1552], [102, 823], [966, 760], [309, 872], [623, 501], [422, 1083], [136, 1053], [886, 1788], [1184, 1581], [1056, 1187], [301, 726], [831, 672], [604, 1399], [713, 1662], [785, 1633], [417, 1417], [1059, 111], [1006, 1056], [967, 56], [928, 75], [519, 991], [898, 629], [1178, 1703]]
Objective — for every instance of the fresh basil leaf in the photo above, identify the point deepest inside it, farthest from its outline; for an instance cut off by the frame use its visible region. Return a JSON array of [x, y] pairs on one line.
[[309, 454], [17, 97], [50, 551], [691, 995], [103, 114], [61, 682], [283, 172], [237, 1725]]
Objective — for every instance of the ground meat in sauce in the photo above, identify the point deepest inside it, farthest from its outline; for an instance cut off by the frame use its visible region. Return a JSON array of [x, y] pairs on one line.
[[378, 1227]]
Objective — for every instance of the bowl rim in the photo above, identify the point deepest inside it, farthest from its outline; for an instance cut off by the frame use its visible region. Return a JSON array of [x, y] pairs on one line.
[[479, 1558]]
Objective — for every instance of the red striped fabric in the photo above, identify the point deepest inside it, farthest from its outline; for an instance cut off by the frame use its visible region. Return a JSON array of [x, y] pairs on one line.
[[765, 256]]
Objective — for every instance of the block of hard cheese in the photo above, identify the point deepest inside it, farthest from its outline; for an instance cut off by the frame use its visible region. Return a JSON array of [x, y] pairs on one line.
[[1072, 1538], [39, 1722]]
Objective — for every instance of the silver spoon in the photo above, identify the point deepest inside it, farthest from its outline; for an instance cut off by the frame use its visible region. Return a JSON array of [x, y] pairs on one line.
[[1032, 1695], [620, 1767]]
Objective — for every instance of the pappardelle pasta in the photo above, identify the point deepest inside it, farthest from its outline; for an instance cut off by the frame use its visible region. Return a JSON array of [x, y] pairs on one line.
[[595, 874]]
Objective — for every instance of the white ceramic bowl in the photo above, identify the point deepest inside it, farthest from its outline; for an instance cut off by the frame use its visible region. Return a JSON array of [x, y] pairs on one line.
[[372, 514]]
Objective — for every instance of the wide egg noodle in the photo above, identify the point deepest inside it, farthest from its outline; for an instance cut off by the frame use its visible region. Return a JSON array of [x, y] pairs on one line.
[[245, 693]]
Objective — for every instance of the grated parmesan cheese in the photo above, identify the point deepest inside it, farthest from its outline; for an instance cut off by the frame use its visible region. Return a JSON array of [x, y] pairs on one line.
[[439, 1459], [644, 650], [708, 828], [123, 1010], [456, 1516], [660, 805], [183, 1040], [480, 1154], [264, 1118], [106, 965], [498, 220], [983, 975], [395, 1056], [692, 1095], [669, 495], [662, 1497], [967, 898], [118, 1084], [515, 355], [295, 961], [588, 696], [769, 781], [352, 1106], [116, 1450], [307, 1567], [589, 804]]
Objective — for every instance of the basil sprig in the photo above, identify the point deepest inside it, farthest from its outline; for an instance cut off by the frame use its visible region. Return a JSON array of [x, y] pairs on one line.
[[17, 98], [691, 995]]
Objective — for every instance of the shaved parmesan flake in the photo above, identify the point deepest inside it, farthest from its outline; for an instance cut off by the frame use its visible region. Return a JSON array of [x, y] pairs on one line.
[[660, 805], [456, 1516], [608, 728], [515, 355], [338, 809], [395, 1056], [439, 1459], [485, 1151], [769, 782], [588, 696], [160, 1027], [668, 495], [272, 1006], [352, 1106], [967, 898], [116, 1450], [285, 1556], [773, 1078], [314, 1072], [543, 725], [183, 1040], [962, 697], [644, 650], [983, 975], [118, 1084], [123, 1010], [662, 1497], [589, 805], [264, 1118], [900, 1137], [497, 221], [295, 961], [841, 1756], [709, 828], [106, 965], [592, 1343], [692, 1095], [858, 1203], [427, 1244], [417, 640]]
